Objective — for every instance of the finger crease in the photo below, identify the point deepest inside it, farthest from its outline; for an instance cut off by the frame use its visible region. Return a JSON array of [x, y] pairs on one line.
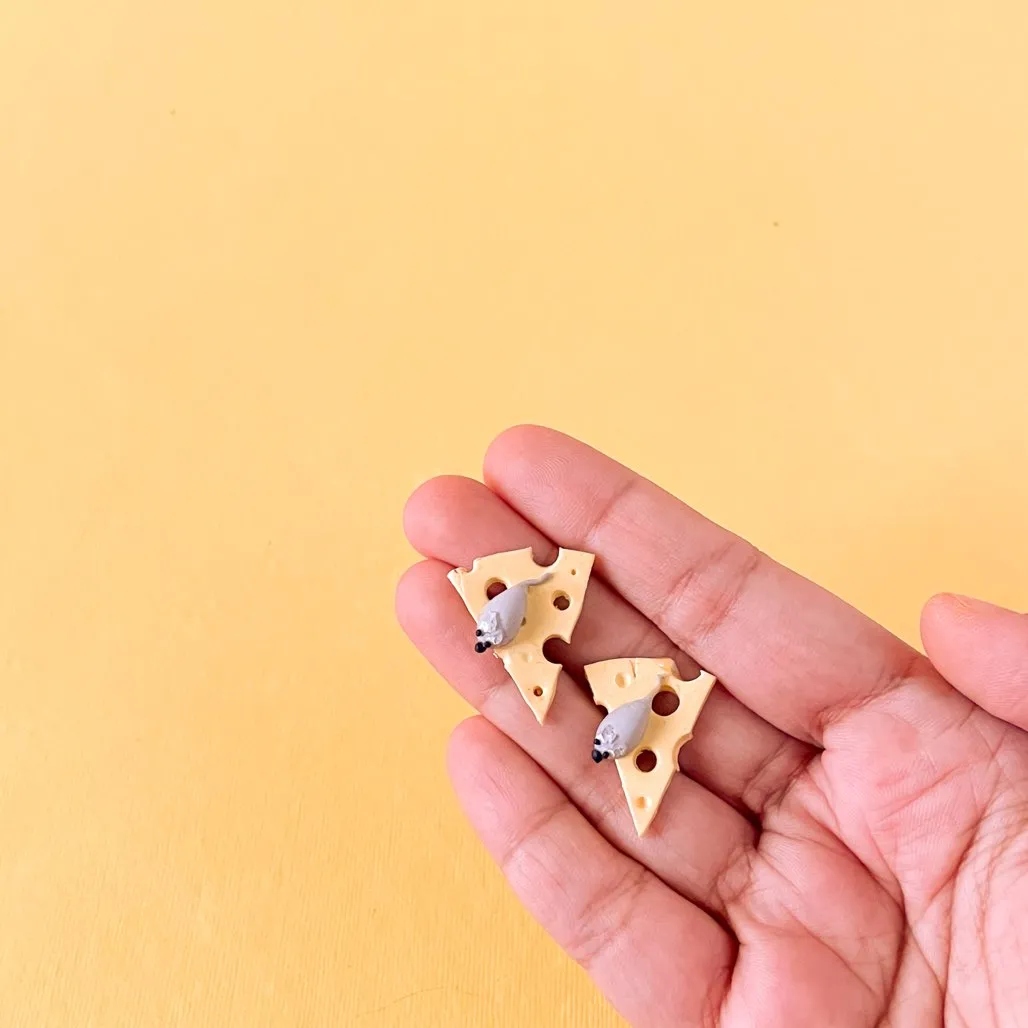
[[719, 610], [607, 916], [893, 678], [758, 797], [493, 693], [606, 512], [534, 827], [703, 616]]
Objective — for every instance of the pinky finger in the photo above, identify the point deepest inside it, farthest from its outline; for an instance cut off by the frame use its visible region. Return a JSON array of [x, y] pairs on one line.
[[981, 649], [658, 958]]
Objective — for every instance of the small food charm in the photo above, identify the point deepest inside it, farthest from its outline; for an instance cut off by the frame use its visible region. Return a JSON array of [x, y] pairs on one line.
[[644, 743], [501, 618], [537, 604]]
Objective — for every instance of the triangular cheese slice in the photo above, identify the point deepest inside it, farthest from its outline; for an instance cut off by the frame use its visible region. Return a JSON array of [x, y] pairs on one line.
[[614, 682], [553, 611]]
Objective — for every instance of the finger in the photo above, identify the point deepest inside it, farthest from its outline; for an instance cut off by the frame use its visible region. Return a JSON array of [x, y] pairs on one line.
[[981, 649], [734, 752], [797, 655], [659, 959], [696, 838]]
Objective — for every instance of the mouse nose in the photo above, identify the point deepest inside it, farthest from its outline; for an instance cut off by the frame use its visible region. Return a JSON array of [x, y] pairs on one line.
[[597, 756], [480, 647]]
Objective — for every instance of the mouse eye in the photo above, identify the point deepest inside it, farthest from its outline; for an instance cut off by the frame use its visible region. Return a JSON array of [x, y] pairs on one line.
[[478, 631], [596, 742]]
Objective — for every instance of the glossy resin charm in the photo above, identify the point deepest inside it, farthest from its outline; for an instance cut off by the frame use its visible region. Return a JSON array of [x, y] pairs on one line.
[[546, 604], [644, 743]]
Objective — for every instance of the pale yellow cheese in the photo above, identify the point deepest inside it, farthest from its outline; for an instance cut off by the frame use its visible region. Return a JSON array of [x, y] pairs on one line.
[[619, 681], [552, 613]]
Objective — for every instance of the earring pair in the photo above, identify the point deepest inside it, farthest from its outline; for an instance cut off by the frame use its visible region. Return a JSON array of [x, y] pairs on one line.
[[650, 712]]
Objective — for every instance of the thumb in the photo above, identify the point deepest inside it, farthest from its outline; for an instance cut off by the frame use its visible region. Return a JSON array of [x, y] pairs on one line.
[[982, 650]]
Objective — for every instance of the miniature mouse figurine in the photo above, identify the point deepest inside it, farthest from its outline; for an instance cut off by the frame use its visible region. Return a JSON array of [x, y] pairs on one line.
[[500, 619], [623, 728]]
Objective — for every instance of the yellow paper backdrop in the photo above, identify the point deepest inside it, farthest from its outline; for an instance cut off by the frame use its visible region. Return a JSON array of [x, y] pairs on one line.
[[264, 266]]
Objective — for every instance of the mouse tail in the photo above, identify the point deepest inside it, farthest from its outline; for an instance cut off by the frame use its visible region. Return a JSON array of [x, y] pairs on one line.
[[541, 580]]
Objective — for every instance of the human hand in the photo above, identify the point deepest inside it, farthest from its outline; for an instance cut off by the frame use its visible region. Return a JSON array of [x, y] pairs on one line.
[[850, 846]]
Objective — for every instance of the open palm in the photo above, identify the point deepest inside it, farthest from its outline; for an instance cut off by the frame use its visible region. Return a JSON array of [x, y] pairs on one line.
[[849, 844]]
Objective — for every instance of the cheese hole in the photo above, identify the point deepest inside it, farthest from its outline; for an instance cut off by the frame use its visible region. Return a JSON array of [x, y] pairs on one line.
[[642, 802], [574, 571], [493, 589], [620, 681], [556, 651], [646, 760], [665, 702], [537, 691], [561, 601]]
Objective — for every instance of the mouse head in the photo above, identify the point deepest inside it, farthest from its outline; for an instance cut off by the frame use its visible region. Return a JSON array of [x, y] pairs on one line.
[[487, 631], [607, 742]]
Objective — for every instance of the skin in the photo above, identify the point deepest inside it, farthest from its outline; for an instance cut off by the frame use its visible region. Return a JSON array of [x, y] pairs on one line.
[[849, 845]]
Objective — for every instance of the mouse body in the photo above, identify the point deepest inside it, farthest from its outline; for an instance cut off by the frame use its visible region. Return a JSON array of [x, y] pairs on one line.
[[500, 619], [622, 729]]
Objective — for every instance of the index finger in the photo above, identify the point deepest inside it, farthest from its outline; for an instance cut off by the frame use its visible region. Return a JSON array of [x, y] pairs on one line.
[[791, 651]]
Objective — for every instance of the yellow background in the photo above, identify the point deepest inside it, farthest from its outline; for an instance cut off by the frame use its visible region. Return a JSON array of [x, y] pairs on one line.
[[264, 266]]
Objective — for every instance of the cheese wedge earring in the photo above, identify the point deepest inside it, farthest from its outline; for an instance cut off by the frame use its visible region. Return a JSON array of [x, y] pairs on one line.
[[518, 607], [643, 743]]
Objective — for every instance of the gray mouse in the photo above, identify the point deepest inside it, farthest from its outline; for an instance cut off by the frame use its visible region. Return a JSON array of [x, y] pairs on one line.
[[622, 729], [500, 619]]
